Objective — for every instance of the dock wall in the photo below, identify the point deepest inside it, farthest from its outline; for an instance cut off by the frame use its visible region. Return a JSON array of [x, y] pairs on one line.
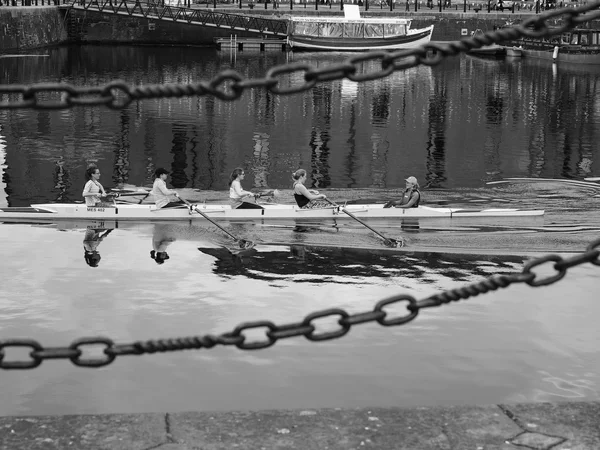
[[97, 28], [31, 27]]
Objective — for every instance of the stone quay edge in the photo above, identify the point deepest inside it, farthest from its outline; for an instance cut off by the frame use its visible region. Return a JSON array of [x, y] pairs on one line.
[[540, 426]]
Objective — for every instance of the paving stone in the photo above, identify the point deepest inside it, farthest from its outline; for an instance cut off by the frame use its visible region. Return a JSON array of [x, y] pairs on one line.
[[89, 432], [577, 422], [414, 428], [539, 426]]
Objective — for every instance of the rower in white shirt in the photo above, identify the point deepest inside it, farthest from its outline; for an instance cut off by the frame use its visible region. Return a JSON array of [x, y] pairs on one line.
[[163, 196], [93, 191], [239, 198]]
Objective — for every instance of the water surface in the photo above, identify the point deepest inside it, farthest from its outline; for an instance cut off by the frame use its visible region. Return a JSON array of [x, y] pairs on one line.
[[455, 127]]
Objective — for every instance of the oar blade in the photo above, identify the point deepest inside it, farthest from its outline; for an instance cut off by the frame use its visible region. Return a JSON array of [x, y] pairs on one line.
[[394, 243], [243, 244], [246, 245]]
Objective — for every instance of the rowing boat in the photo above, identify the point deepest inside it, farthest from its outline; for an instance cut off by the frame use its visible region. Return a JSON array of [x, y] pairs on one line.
[[148, 212]]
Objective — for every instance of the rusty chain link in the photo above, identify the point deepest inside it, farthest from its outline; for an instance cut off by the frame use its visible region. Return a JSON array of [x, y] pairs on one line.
[[230, 85], [308, 327]]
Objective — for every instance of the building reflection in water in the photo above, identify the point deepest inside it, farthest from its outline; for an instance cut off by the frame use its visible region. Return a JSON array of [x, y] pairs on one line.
[[319, 138], [494, 116], [196, 144], [179, 178], [148, 150], [3, 191], [62, 181], [215, 158], [436, 130], [260, 161], [121, 151]]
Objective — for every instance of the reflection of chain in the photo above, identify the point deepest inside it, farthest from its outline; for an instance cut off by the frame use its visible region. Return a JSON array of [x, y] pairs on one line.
[[230, 85], [307, 327]]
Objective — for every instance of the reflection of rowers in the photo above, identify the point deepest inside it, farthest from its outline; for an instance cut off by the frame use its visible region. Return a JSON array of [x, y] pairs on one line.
[[91, 240], [161, 239]]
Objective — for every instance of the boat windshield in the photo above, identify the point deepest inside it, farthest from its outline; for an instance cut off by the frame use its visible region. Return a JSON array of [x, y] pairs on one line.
[[349, 29]]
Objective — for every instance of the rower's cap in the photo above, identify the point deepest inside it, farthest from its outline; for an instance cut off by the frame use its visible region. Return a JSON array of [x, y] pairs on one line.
[[412, 180], [160, 171]]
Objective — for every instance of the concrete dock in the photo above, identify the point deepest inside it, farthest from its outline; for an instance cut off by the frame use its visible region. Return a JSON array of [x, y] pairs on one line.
[[540, 426]]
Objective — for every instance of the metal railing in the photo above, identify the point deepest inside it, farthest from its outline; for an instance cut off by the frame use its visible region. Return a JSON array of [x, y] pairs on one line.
[[160, 11]]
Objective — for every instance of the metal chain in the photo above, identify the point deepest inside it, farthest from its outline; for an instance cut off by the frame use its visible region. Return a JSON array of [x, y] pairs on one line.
[[229, 85], [308, 327]]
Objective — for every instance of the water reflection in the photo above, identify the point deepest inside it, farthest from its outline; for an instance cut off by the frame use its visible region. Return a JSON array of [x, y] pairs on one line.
[[3, 192], [91, 240], [346, 265], [62, 181], [163, 236], [515, 119], [522, 342]]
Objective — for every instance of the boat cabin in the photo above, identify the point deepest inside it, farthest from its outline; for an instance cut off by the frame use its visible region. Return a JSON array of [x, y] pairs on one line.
[[581, 37], [578, 37], [339, 27]]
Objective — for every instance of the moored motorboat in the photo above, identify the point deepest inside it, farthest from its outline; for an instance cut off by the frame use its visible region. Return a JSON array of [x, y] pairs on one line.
[[148, 212], [578, 46]]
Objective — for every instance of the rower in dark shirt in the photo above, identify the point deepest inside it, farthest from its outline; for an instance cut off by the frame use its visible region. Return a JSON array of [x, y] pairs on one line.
[[410, 197], [304, 197]]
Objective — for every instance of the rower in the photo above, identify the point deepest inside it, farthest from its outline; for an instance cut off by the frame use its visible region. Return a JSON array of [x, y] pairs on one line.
[[238, 197], [93, 191], [410, 197], [163, 196], [304, 197]]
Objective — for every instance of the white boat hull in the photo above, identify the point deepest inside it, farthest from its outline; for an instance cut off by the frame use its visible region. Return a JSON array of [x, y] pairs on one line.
[[414, 38], [145, 213]]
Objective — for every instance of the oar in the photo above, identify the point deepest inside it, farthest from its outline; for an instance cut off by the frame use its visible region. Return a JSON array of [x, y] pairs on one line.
[[244, 244], [129, 194], [387, 241]]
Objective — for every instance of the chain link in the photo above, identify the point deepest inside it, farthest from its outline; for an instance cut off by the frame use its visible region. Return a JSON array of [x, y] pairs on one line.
[[306, 328], [229, 85]]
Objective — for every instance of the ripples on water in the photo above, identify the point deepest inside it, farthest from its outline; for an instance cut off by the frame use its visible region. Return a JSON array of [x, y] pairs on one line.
[[454, 126]]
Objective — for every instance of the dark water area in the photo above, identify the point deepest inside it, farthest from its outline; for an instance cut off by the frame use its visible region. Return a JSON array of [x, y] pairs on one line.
[[456, 127], [453, 126]]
